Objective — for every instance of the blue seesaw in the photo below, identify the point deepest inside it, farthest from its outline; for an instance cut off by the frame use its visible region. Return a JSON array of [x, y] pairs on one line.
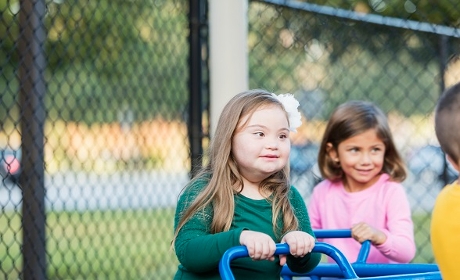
[[343, 268]]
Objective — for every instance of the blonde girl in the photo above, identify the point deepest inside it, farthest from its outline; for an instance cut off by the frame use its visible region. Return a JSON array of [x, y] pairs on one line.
[[243, 197]]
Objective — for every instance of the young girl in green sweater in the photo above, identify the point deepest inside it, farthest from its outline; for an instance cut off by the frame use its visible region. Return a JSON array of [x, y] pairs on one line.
[[243, 196]]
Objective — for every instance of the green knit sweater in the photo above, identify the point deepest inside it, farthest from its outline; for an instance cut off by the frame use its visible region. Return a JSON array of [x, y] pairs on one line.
[[199, 251]]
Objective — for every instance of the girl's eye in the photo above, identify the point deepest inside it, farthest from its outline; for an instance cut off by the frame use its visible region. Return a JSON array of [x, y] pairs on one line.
[[283, 136], [261, 134], [354, 150]]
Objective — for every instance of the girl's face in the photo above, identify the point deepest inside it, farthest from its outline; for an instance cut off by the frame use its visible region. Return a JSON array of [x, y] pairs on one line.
[[361, 158], [261, 147]]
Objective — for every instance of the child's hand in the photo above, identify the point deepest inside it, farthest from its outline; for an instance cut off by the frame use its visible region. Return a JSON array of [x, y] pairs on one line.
[[362, 232], [260, 245], [300, 243]]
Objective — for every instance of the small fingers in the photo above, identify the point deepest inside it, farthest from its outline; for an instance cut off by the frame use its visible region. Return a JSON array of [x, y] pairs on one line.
[[260, 246], [263, 250], [293, 246], [267, 250], [359, 232], [309, 245], [300, 243], [312, 242], [282, 260]]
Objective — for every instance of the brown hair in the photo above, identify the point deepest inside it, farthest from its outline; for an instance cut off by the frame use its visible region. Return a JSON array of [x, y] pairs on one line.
[[353, 118], [225, 179], [447, 118]]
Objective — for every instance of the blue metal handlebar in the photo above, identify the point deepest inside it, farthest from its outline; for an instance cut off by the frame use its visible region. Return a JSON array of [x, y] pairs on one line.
[[332, 233], [367, 270], [283, 249], [345, 233], [342, 268], [363, 269]]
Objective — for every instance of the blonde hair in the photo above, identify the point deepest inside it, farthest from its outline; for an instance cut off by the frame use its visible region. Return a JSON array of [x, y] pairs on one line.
[[225, 179], [353, 118]]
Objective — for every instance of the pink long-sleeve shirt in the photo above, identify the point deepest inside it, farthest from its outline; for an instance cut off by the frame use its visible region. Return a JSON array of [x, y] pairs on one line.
[[384, 206]]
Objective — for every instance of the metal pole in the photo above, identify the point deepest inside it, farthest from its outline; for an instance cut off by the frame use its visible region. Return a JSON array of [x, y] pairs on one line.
[[228, 35], [32, 90], [443, 58], [197, 22]]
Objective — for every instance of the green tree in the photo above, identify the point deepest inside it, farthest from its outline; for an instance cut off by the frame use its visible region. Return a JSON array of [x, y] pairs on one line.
[[105, 57], [344, 58]]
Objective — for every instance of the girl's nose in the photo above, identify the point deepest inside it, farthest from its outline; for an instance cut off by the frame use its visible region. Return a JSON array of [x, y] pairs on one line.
[[272, 144], [366, 158]]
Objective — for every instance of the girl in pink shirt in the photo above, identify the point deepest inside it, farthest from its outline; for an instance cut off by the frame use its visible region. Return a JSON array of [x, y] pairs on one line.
[[362, 190]]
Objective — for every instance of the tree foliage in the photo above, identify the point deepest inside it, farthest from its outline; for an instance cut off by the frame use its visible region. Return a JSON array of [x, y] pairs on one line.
[[444, 12], [326, 57], [107, 57]]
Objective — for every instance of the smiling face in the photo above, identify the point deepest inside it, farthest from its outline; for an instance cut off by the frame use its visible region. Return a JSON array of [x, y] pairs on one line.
[[361, 158], [261, 144]]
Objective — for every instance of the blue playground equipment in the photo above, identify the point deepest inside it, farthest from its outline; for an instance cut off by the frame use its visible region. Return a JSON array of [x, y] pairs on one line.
[[342, 269], [345, 233]]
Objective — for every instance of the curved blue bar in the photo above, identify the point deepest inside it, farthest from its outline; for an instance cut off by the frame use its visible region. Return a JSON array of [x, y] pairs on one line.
[[338, 257], [364, 252], [283, 249], [345, 233], [229, 255], [332, 233], [369, 270], [410, 276]]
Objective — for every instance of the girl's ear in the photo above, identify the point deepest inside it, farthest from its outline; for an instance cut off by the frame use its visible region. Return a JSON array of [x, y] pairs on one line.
[[331, 151], [454, 164]]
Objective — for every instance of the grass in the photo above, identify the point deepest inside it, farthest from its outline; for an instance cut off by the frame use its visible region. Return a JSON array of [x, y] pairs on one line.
[[97, 245], [422, 238], [128, 244]]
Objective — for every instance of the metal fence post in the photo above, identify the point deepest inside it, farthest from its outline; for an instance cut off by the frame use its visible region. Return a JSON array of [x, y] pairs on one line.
[[32, 92], [196, 18], [443, 61]]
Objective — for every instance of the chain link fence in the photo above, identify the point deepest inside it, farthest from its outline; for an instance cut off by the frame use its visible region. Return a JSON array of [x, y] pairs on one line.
[[399, 54], [93, 106], [94, 115]]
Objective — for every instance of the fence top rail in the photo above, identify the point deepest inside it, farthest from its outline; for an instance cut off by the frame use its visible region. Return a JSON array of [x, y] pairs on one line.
[[370, 18]]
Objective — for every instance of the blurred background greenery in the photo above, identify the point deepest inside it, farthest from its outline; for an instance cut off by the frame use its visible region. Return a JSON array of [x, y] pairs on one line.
[[117, 97]]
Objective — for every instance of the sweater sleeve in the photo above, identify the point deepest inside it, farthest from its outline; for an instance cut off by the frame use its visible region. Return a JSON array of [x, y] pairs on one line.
[[197, 249], [400, 245], [310, 261]]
